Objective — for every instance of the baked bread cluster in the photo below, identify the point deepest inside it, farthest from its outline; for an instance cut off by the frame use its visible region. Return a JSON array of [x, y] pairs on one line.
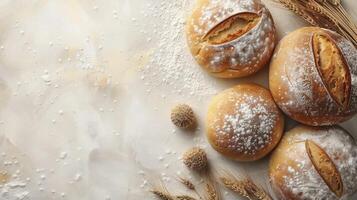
[[312, 79], [231, 38]]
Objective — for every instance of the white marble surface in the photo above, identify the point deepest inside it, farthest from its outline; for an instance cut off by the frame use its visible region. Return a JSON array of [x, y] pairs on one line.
[[86, 88]]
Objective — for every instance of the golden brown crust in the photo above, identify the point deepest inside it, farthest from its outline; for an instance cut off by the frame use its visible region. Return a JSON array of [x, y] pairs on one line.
[[231, 28], [244, 123], [314, 163], [230, 39], [308, 89], [332, 68], [325, 167]]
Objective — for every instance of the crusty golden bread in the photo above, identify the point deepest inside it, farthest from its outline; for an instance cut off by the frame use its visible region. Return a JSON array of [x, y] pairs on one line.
[[243, 122], [325, 167], [314, 163], [313, 76], [332, 68], [231, 38]]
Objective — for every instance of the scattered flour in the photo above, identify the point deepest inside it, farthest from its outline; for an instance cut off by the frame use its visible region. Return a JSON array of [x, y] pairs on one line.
[[171, 65]]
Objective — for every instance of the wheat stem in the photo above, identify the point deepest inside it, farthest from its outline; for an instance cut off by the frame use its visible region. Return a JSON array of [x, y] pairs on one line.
[[189, 185], [184, 197], [163, 195], [326, 14]]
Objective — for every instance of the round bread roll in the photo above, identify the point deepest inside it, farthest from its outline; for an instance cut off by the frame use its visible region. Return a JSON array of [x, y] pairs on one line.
[[313, 76], [231, 38], [244, 123], [314, 163]]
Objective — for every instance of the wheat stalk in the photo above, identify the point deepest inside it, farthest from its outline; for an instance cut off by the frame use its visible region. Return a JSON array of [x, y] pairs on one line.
[[184, 197], [254, 191], [299, 10], [236, 186], [163, 195], [211, 189], [210, 192], [161, 192], [187, 183], [328, 14], [243, 187]]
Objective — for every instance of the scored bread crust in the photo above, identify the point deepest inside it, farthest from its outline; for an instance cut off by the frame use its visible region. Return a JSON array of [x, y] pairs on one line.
[[293, 172], [241, 56], [243, 122], [298, 85], [325, 167]]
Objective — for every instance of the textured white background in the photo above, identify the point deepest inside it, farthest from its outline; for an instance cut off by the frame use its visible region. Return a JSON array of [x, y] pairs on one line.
[[86, 88]]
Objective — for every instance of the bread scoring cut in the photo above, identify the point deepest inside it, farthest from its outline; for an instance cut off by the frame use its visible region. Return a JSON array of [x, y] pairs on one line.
[[231, 28], [312, 77], [231, 38], [314, 163], [325, 167], [332, 68]]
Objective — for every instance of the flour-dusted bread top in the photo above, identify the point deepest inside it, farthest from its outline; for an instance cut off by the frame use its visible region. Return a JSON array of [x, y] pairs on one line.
[[244, 123], [350, 55], [314, 163], [313, 76], [231, 38]]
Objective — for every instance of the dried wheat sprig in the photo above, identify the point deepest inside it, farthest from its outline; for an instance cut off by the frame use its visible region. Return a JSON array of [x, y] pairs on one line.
[[243, 187], [335, 11], [187, 183], [185, 197], [211, 190], [326, 14], [298, 10], [163, 195], [254, 191], [343, 17], [334, 14], [236, 186], [347, 26]]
